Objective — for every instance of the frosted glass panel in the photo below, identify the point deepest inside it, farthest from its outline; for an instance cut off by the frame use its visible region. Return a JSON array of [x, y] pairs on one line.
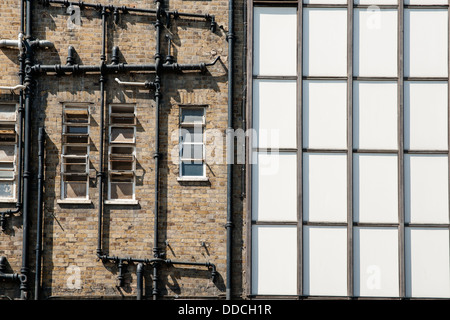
[[375, 115], [426, 188], [325, 187], [325, 1], [426, 43], [269, 275], [275, 187], [325, 42], [325, 261], [269, 24], [325, 114], [427, 263], [375, 2], [426, 105], [376, 262], [426, 2], [375, 42], [375, 188], [275, 113]]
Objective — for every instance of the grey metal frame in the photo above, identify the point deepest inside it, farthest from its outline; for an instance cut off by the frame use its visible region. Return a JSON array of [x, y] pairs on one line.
[[400, 152]]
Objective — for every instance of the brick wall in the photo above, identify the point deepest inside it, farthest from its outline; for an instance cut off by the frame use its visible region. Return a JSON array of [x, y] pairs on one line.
[[191, 213]]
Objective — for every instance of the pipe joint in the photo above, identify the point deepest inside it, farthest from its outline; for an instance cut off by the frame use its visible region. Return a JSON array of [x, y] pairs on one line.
[[230, 36], [157, 155]]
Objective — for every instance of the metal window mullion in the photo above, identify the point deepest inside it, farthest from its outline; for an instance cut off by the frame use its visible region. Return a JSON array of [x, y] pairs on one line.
[[400, 137], [448, 107], [350, 148], [249, 146], [300, 148]]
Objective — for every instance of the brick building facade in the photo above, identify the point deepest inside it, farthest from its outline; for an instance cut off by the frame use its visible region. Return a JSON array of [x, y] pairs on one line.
[[214, 149], [92, 252]]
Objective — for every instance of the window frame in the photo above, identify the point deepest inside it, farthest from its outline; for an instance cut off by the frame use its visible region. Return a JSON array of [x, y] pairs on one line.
[[121, 144], [195, 125], [65, 144], [9, 123]]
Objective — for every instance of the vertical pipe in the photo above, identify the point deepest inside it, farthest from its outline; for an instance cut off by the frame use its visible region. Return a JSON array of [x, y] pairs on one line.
[[230, 146], [41, 142], [22, 16], [244, 96], [101, 173], [140, 281], [157, 155], [27, 151]]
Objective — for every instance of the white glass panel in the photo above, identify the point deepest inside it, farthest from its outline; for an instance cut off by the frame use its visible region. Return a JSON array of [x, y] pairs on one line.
[[375, 115], [375, 2], [375, 188], [325, 1], [375, 42], [426, 43], [325, 261], [426, 115], [275, 41], [426, 2], [427, 263], [325, 187], [275, 113], [325, 114], [275, 187], [325, 42], [269, 275], [426, 188], [376, 262]]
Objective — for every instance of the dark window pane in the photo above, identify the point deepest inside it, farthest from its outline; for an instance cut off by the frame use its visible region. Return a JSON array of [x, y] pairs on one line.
[[192, 169]]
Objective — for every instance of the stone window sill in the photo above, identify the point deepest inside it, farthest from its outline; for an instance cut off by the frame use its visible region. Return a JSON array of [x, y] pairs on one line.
[[74, 201], [122, 202], [192, 179]]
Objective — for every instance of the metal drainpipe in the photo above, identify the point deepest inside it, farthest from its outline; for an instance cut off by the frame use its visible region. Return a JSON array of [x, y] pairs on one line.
[[100, 174], [140, 281], [27, 150], [40, 199], [157, 155], [244, 98], [230, 147]]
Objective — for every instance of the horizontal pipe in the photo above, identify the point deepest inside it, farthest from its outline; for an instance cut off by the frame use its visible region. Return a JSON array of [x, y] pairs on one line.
[[44, 44], [76, 68], [17, 87], [125, 9], [117, 259], [146, 84], [9, 43], [18, 43], [121, 67]]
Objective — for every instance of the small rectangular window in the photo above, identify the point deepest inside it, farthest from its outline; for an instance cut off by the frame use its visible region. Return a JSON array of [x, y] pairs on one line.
[[75, 152], [8, 150], [122, 152], [192, 142]]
